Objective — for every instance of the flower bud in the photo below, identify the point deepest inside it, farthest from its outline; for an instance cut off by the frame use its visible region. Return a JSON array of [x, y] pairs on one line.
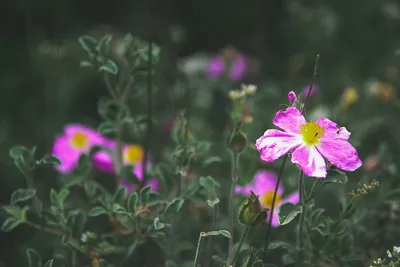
[[237, 141], [292, 97], [251, 213]]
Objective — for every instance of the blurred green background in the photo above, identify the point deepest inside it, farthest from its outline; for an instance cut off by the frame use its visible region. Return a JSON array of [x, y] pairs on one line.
[[43, 88]]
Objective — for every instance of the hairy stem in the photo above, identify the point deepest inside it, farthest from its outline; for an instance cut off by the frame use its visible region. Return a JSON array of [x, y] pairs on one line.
[[268, 232], [213, 224], [300, 237], [235, 177], [147, 141], [245, 233], [198, 249]]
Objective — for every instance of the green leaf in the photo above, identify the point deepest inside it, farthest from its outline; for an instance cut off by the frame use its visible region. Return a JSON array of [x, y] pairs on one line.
[[128, 174], [88, 43], [85, 64], [334, 176], [84, 165], [97, 211], [49, 263], [158, 224], [154, 198], [109, 67], [13, 210], [34, 259], [219, 259], [50, 160], [104, 45], [78, 222], [173, 207], [90, 189], [120, 195], [393, 196], [107, 127], [211, 160], [19, 152], [213, 202], [144, 193], [22, 194], [280, 244], [54, 199], [220, 232], [132, 202], [209, 184], [64, 193], [10, 223], [287, 212]]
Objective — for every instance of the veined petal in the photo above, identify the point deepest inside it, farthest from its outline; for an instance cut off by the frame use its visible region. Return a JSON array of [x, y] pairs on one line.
[[274, 144], [310, 161], [340, 153], [332, 131], [289, 120]]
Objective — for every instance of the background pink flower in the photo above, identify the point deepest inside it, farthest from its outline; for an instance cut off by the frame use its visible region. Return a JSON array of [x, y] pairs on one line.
[[235, 66], [263, 185], [308, 142], [76, 140], [314, 90]]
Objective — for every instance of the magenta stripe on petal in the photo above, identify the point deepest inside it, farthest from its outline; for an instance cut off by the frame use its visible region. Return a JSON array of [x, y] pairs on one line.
[[274, 144], [310, 161]]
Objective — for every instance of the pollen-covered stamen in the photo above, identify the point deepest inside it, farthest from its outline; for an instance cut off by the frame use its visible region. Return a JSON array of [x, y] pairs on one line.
[[266, 199], [133, 154], [79, 141], [311, 132]]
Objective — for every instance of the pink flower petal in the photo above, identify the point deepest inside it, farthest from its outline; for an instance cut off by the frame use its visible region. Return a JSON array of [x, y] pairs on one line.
[[340, 153], [238, 189], [239, 67], [293, 198], [216, 67], [103, 161], [310, 161], [289, 120], [274, 144], [265, 181], [332, 131], [66, 154], [94, 137], [275, 218], [154, 183]]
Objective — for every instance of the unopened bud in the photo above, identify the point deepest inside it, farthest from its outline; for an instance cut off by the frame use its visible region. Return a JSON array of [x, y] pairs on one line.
[[251, 213], [292, 97]]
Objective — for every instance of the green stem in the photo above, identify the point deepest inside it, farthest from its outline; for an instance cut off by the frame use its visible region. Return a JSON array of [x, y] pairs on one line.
[[300, 237], [198, 249], [268, 232], [213, 223], [235, 177], [245, 233]]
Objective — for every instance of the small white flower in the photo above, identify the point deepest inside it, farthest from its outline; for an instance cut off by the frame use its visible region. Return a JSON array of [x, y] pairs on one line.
[[249, 89], [84, 238], [396, 250], [389, 254], [236, 94]]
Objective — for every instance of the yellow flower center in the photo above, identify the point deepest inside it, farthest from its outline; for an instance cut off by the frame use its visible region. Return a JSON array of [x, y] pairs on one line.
[[133, 154], [311, 132], [79, 141], [266, 199]]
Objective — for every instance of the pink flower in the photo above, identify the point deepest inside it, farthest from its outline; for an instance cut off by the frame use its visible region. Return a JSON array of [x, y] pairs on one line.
[[234, 66], [263, 185], [76, 140], [132, 154], [314, 90], [308, 142]]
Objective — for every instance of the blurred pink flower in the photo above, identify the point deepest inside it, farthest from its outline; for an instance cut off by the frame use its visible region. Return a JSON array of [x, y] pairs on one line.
[[76, 140], [263, 185], [233, 64], [132, 155], [308, 141], [314, 90], [292, 97]]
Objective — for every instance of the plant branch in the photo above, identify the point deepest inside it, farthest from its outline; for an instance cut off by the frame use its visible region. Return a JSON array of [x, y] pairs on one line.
[[235, 177], [245, 233], [300, 234]]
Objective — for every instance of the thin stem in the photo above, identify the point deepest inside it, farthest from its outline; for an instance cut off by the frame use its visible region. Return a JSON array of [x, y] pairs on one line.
[[37, 204], [235, 177], [300, 237], [245, 233], [312, 83], [149, 112], [198, 249], [213, 224], [313, 187], [45, 229], [268, 232]]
